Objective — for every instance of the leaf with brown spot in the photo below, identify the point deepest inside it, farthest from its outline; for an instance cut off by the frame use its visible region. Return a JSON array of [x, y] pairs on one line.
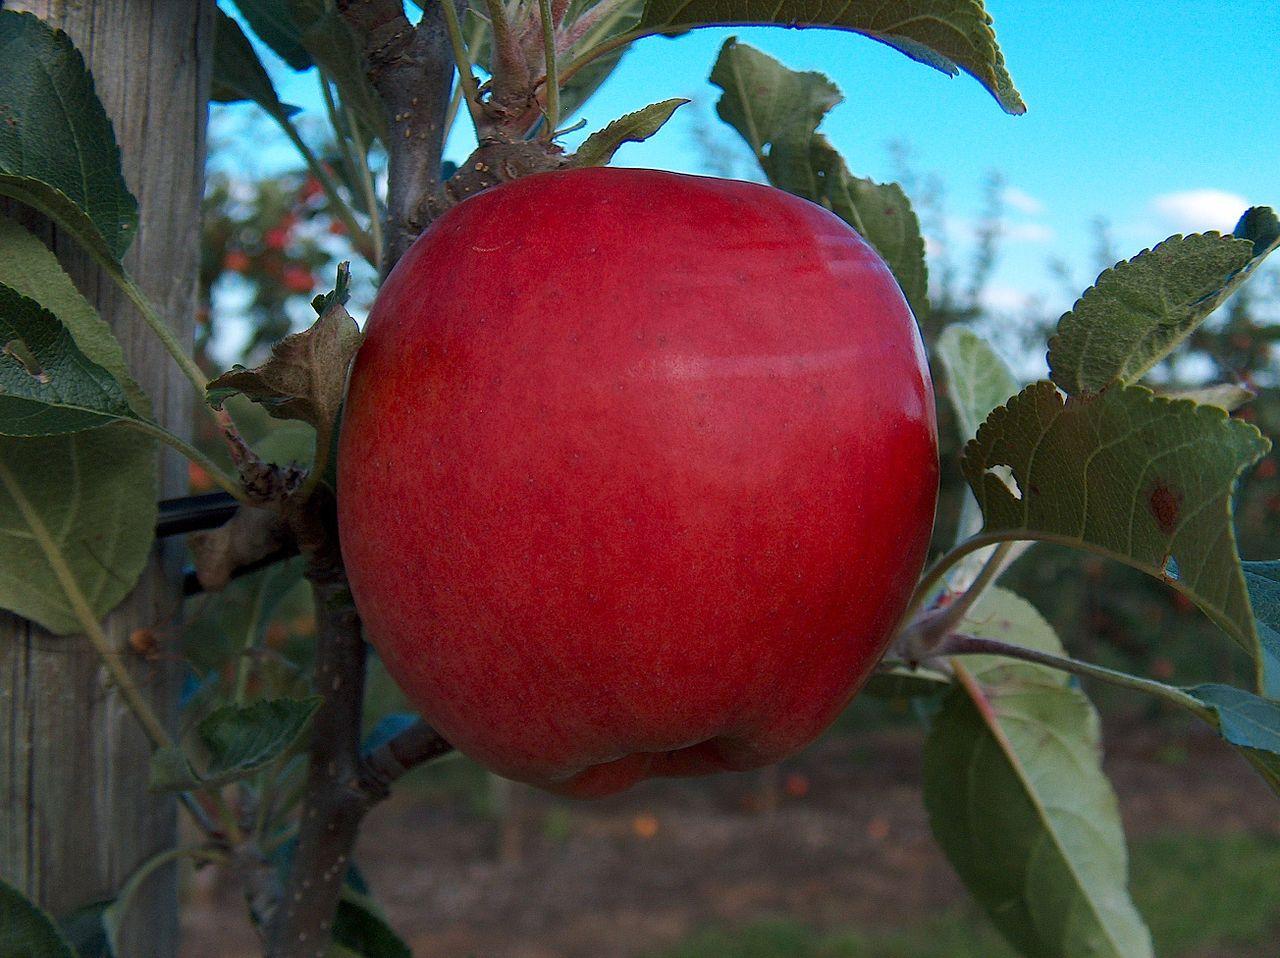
[[1127, 474]]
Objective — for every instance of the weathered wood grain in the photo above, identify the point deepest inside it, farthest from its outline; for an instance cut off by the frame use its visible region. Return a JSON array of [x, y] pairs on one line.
[[75, 815]]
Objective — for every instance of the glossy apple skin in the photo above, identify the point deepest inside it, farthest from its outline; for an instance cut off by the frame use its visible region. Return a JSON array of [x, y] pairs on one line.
[[636, 475]]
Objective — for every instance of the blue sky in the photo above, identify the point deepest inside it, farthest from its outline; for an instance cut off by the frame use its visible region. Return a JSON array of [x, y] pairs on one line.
[[1161, 117]]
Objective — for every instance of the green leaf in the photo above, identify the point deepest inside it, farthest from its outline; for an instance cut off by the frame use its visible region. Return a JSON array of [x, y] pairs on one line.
[[977, 379], [1249, 722], [84, 503], [599, 147], [58, 150], [948, 35], [1126, 474], [336, 49], [1263, 582], [305, 377], [1139, 310], [1018, 801], [777, 111], [30, 268], [26, 931], [239, 740], [274, 26], [360, 927], [882, 214], [238, 74], [47, 385]]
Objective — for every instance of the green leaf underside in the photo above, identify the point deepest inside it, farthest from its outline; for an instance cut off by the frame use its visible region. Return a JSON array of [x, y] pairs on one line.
[[1263, 582], [47, 385], [599, 147], [337, 51], [31, 269], [1018, 801], [270, 20], [1249, 722], [26, 931], [239, 740], [58, 150], [1127, 474], [977, 378], [1139, 310], [948, 35], [238, 74], [95, 495], [777, 111]]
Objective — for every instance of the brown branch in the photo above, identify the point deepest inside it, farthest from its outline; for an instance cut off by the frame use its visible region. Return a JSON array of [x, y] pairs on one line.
[[335, 801], [416, 745], [248, 538], [412, 70]]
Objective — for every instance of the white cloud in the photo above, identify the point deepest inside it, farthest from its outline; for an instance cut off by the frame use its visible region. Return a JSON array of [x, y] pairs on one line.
[[1022, 201], [1193, 211], [1000, 298], [1028, 233]]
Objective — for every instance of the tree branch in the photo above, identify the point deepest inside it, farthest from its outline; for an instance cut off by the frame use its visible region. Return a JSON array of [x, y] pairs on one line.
[[335, 802], [412, 69], [247, 540], [416, 745]]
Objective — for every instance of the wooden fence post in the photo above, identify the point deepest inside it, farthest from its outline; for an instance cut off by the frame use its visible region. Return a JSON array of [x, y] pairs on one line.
[[75, 814]]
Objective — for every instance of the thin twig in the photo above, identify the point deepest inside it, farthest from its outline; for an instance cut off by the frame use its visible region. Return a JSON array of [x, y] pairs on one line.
[[959, 643], [552, 80], [462, 63]]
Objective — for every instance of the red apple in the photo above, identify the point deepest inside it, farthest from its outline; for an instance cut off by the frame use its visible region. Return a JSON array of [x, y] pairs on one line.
[[637, 473]]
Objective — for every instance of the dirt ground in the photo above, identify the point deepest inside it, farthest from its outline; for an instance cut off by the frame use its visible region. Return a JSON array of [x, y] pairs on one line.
[[835, 839]]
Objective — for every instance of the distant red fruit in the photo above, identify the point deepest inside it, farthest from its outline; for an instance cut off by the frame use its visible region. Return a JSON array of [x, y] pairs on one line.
[[236, 261], [279, 235], [796, 785], [198, 478], [297, 279], [310, 189]]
